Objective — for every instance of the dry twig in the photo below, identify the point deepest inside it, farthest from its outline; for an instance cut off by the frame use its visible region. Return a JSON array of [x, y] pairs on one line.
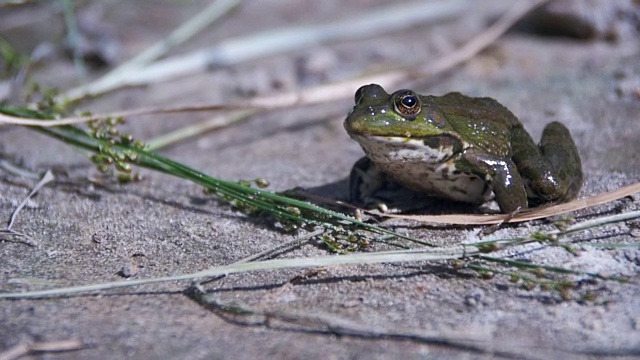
[[321, 93], [49, 346]]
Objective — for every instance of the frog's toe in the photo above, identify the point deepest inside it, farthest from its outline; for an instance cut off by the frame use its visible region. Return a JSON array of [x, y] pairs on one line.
[[372, 203], [373, 207], [382, 207]]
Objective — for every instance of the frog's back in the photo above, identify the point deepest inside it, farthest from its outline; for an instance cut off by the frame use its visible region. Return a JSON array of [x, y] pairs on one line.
[[474, 109], [482, 122]]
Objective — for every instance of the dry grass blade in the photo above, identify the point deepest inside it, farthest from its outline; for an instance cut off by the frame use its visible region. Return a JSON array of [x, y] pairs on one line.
[[267, 43], [47, 178], [411, 255], [17, 170], [24, 121], [119, 75], [22, 349], [200, 128], [526, 215], [23, 238], [321, 93], [345, 89], [422, 254], [489, 36]]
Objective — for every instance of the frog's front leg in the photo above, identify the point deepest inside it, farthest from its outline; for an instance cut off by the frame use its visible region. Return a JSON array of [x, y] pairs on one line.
[[553, 170], [502, 176], [365, 181]]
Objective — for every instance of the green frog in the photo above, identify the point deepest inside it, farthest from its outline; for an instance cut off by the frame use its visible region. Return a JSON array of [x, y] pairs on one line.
[[457, 147]]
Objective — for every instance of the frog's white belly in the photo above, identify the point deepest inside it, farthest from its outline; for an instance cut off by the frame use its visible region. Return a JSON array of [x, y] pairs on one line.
[[421, 168]]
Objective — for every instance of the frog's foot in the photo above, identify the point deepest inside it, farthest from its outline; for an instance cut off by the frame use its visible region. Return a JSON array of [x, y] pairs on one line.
[[375, 208], [552, 170], [380, 206], [375, 190], [365, 181], [397, 201]]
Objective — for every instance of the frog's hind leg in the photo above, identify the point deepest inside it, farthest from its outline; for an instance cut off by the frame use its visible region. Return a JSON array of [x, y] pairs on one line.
[[559, 149], [552, 171]]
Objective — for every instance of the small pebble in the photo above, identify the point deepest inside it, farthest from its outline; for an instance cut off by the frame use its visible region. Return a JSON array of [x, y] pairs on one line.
[[474, 298]]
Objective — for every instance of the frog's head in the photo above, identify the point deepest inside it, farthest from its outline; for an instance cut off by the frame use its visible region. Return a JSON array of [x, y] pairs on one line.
[[403, 114], [401, 127]]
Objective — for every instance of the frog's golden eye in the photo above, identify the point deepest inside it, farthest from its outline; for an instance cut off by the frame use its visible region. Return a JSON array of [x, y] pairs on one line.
[[407, 103]]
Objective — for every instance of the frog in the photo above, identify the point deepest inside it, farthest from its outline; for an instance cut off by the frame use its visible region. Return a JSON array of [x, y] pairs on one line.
[[466, 149]]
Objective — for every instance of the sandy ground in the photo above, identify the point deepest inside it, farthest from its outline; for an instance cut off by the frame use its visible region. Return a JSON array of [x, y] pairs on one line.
[[162, 225]]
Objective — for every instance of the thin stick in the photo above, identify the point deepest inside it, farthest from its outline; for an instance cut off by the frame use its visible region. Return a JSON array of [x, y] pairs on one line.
[[18, 171], [47, 178], [525, 215], [429, 254], [322, 93], [411, 255], [186, 132], [24, 348], [484, 39], [267, 43], [117, 76], [288, 245]]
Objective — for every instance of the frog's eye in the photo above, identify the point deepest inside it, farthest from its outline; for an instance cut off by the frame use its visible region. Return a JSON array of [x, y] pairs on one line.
[[407, 103]]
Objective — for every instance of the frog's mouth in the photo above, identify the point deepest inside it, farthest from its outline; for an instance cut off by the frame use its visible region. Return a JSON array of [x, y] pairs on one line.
[[433, 149]]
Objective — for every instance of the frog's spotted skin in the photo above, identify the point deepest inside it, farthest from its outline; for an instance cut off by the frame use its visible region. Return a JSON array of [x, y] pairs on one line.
[[458, 148]]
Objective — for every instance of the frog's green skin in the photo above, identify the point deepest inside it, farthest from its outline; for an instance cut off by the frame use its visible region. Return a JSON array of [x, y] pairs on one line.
[[460, 148]]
